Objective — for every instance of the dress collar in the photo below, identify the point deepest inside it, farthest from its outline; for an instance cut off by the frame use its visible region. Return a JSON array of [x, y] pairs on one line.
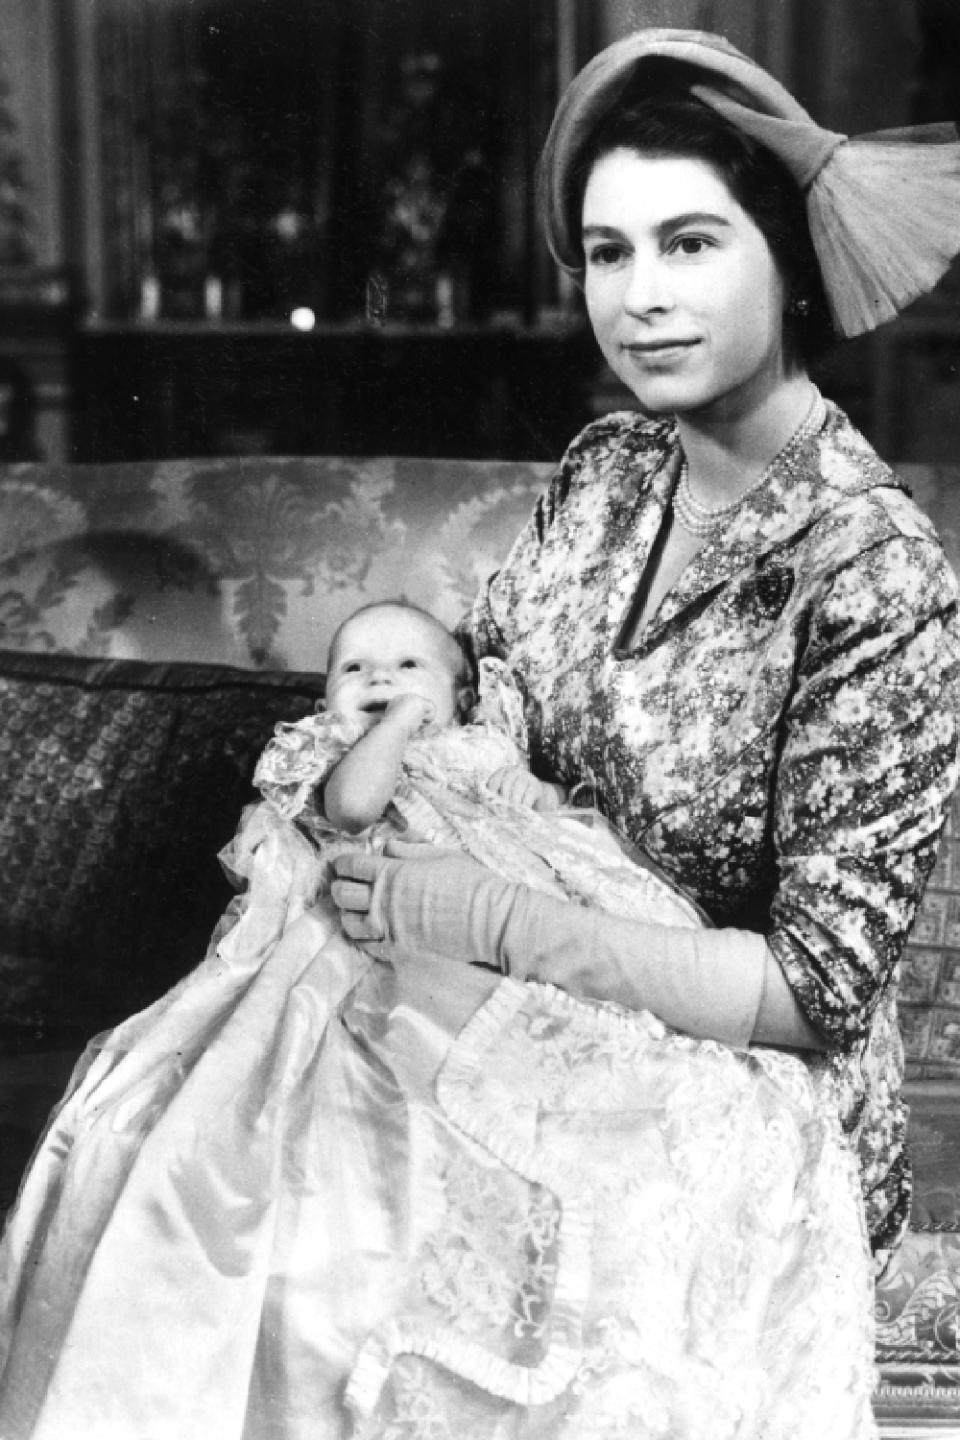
[[840, 464]]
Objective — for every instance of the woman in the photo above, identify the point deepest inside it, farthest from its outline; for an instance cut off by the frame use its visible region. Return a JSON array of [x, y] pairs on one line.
[[730, 623]]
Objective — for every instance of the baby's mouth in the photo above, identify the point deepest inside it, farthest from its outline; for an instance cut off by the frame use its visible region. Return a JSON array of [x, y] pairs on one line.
[[375, 707]]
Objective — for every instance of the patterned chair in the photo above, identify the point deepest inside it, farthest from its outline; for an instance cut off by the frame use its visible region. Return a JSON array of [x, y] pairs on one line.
[[108, 574]]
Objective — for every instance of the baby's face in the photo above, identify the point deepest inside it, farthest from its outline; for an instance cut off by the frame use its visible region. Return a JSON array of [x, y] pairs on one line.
[[384, 653]]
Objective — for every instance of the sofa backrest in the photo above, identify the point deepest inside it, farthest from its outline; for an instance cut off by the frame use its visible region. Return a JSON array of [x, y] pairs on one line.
[[250, 562]]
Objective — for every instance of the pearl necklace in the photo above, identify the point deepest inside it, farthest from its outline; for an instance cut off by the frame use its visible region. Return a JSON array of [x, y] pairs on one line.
[[707, 523]]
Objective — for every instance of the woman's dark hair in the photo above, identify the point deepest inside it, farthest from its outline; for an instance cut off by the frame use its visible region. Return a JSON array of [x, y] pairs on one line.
[[662, 117]]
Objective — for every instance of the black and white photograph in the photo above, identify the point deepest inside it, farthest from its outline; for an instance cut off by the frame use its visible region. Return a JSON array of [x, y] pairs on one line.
[[479, 719]]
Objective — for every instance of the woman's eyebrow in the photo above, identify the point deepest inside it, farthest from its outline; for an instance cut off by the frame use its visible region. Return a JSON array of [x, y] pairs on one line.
[[662, 227], [607, 232], [690, 217]]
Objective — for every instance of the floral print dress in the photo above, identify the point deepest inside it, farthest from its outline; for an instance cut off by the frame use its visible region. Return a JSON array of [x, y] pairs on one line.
[[781, 737]]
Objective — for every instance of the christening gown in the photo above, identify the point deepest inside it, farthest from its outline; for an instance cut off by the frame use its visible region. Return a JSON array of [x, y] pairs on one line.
[[309, 1195]]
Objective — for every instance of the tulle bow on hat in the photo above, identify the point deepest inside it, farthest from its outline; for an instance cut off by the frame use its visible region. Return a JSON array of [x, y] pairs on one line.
[[883, 209]]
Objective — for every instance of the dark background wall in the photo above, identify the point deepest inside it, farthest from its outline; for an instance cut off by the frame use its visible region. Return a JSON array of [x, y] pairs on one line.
[[177, 177]]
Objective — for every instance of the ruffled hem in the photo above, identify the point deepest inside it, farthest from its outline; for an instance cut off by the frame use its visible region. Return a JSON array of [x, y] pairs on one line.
[[501, 1135]]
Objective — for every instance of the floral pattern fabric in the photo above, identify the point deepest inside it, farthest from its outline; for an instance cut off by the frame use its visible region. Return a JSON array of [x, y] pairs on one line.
[[781, 738]]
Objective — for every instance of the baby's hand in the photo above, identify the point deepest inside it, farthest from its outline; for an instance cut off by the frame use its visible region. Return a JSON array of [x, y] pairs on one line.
[[410, 711], [515, 784]]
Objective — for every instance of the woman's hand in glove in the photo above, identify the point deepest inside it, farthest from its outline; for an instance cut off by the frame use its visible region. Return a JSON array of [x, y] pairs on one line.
[[417, 899]]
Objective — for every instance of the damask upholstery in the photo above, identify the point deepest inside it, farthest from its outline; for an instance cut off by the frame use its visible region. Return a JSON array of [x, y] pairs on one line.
[[120, 780], [251, 564]]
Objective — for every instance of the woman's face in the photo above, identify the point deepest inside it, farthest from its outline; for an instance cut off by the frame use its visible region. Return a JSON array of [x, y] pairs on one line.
[[684, 295]]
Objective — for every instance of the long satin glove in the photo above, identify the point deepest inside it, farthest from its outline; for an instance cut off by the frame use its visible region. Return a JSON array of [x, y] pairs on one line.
[[705, 983]]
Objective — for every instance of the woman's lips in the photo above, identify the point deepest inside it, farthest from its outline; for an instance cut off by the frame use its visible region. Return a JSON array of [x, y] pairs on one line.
[[659, 349]]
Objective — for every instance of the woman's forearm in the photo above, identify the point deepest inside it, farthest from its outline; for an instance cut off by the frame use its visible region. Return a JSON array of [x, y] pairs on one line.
[[780, 1018], [712, 984]]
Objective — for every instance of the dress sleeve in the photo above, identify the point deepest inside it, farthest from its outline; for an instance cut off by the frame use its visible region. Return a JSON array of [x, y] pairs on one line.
[[489, 627], [299, 758], [500, 703], [867, 768]]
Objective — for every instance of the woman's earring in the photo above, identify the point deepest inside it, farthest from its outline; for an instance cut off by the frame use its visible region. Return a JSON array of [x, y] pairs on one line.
[[799, 307]]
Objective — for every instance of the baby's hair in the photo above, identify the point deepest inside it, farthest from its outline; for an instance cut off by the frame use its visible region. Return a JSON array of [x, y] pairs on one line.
[[464, 674]]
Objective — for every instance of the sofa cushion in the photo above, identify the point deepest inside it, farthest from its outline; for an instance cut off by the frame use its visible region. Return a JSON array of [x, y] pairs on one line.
[[918, 1297], [119, 782], [930, 982]]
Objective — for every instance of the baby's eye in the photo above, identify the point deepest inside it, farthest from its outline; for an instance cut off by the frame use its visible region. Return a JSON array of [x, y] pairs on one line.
[[408, 664], [351, 667]]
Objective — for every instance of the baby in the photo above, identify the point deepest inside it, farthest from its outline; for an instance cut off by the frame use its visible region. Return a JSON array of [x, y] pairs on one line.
[[394, 669]]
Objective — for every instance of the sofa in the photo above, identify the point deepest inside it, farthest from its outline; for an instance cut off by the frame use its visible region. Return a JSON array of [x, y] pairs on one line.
[[156, 621]]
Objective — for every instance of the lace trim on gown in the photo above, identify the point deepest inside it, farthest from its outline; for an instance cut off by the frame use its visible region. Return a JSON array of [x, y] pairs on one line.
[[576, 1060]]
